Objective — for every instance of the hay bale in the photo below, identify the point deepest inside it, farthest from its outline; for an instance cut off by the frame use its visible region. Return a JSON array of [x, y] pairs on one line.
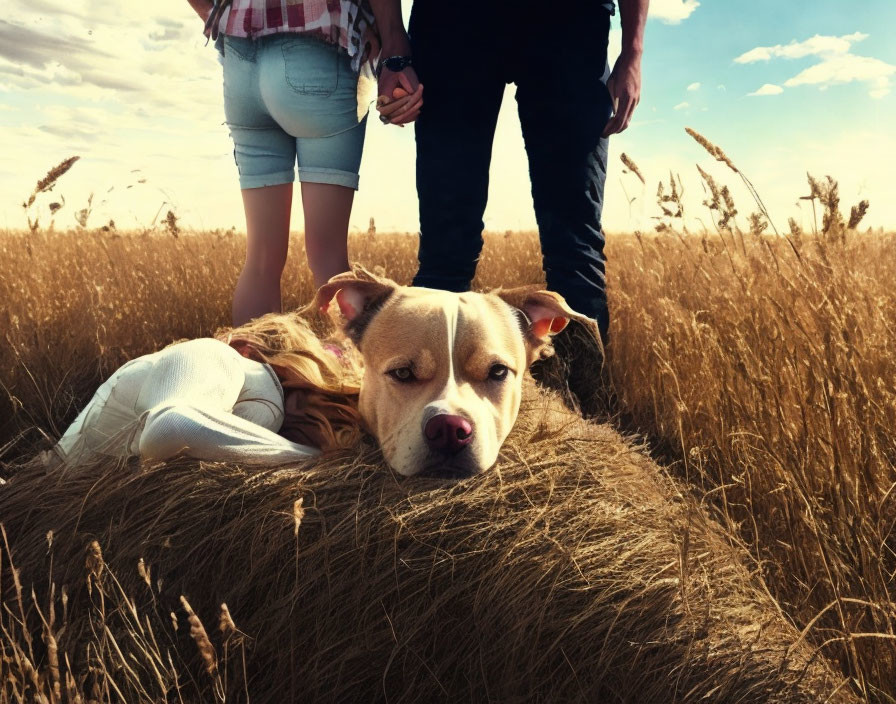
[[574, 571]]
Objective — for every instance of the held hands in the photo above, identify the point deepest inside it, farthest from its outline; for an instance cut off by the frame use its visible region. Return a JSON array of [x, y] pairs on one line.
[[624, 85], [400, 97]]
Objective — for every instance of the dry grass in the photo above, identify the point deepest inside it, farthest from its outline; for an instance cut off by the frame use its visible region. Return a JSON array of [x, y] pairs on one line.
[[770, 377], [575, 571], [760, 369]]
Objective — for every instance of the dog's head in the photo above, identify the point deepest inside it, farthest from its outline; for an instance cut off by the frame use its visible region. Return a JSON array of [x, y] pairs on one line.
[[443, 372]]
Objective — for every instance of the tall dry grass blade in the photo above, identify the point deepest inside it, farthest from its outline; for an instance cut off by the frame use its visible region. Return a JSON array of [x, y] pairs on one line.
[[47, 182], [714, 151], [298, 513], [719, 155], [857, 214], [200, 637], [632, 166]]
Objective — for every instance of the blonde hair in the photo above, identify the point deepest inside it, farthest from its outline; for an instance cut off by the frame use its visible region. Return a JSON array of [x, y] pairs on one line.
[[320, 385]]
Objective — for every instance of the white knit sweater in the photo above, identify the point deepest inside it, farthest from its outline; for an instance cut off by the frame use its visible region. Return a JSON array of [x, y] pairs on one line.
[[200, 398]]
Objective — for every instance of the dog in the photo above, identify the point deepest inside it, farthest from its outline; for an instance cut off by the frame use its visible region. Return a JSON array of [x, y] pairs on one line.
[[443, 372]]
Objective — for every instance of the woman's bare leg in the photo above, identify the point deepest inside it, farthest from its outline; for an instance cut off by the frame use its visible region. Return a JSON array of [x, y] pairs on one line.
[[267, 234], [327, 210]]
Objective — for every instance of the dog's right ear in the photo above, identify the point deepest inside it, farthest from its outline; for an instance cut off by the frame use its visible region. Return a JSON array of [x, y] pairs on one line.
[[543, 314], [359, 295]]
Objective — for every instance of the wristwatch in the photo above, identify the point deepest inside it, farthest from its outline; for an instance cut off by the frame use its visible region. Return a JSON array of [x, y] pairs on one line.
[[396, 63]]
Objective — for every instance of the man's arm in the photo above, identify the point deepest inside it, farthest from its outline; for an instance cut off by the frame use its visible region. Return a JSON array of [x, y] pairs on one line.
[[390, 25], [624, 83], [395, 42]]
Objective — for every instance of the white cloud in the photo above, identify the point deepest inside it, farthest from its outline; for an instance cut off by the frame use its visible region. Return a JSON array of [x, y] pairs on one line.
[[847, 68], [130, 87], [837, 64], [768, 89], [814, 46], [682, 106], [694, 86], [149, 55], [672, 11]]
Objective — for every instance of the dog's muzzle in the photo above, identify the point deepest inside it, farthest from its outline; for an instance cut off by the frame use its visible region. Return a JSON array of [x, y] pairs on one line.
[[447, 434], [448, 438]]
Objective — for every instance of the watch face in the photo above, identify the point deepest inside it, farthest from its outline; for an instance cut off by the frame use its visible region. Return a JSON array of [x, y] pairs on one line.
[[396, 63]]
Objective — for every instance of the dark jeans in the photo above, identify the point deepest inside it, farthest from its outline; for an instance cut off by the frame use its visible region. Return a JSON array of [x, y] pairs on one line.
[[465, 54]]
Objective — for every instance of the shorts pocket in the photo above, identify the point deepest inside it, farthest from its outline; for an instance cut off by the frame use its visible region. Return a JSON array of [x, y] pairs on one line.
[[312, 66]]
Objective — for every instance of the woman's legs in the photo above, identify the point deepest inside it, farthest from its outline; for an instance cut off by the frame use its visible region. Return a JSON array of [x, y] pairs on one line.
[[310, 116], [267, 234], [327, 209]]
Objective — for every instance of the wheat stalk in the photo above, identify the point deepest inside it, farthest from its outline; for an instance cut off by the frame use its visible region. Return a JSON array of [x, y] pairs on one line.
[[225, 622], [632, 166], [200, 637], [719, 155], [48, 181]]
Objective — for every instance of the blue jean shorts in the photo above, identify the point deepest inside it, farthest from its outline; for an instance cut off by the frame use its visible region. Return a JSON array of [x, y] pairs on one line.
[[291, 98]]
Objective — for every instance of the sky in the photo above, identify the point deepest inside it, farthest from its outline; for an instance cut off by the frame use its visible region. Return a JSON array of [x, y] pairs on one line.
[[785, 88]]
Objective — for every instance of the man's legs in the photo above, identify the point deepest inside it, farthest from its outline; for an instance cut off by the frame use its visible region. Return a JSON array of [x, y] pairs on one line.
[[458, 64], [564, 106]]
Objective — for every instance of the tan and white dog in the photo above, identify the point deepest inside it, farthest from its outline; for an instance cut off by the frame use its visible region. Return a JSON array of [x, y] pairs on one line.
[[443, 372]]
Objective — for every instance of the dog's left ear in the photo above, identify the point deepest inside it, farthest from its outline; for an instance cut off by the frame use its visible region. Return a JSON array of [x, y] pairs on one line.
[[359, 295], [544, 313]]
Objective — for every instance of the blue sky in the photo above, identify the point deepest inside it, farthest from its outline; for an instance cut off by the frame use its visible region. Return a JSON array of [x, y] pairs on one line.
[[137, 95]]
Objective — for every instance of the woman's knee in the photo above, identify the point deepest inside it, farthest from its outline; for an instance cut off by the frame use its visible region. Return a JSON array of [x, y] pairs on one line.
[[265, 265], [265, 259]]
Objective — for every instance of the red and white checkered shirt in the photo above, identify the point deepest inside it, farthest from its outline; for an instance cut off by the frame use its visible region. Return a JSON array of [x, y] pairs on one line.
[[347, 23]]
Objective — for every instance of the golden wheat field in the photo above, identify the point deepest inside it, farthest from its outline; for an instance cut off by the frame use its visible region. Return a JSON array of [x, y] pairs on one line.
[[758, 370]]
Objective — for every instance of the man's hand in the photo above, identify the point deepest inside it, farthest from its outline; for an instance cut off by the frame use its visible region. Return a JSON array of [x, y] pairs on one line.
[[624, 85], [400, 93], [400, 96]]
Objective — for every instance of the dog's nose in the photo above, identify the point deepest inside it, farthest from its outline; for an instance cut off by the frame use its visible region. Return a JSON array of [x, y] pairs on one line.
[[448, 434]]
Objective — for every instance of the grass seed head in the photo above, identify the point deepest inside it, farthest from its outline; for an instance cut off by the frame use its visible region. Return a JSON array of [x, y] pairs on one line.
[[715, 151], [200, 637], [632, 166]]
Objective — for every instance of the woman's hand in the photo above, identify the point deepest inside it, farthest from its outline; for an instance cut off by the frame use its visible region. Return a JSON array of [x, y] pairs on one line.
[[400, 96], [202, 8]]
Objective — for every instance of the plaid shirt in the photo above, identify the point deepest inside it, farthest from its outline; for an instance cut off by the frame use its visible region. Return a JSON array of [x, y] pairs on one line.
[[346, 23]]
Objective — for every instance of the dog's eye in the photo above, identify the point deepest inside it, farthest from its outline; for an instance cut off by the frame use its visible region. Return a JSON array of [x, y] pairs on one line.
[[498, 372], [402, 374]]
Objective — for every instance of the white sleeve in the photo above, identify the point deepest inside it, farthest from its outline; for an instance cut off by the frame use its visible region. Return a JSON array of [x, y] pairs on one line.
[[188, 399], [205, 433], [203, 372]]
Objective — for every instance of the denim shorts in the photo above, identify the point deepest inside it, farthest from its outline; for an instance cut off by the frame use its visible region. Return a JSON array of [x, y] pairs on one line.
[[291, 98]]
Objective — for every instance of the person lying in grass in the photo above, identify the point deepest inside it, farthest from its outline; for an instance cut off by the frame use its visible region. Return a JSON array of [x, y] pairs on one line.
[[266, 392]]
